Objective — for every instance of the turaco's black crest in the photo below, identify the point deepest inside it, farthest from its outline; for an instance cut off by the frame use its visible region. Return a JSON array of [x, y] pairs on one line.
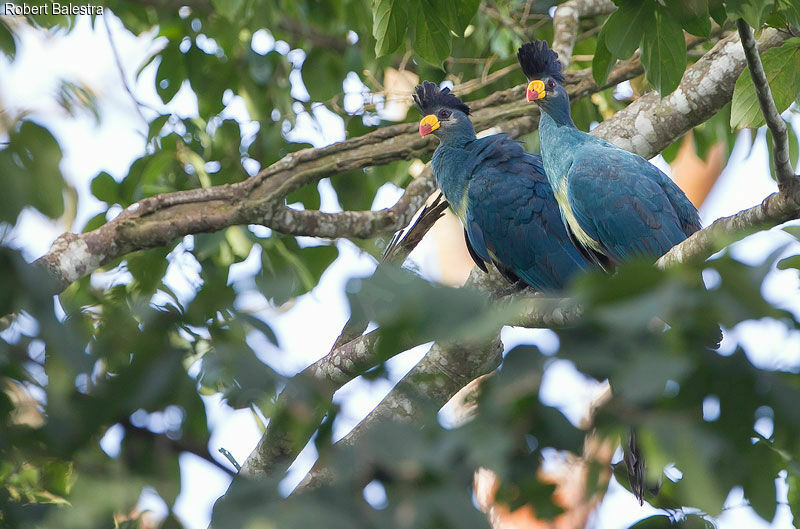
[[538, 61], [429, 97]]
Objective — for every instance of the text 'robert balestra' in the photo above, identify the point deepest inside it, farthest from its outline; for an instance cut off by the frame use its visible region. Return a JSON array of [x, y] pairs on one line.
[[52, 8]]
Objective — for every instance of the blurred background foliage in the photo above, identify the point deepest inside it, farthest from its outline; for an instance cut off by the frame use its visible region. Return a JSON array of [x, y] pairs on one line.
[[138, 356]]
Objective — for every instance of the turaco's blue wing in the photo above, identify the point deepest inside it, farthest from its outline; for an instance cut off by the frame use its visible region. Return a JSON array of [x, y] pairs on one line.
[[626, 205], [513, 217]]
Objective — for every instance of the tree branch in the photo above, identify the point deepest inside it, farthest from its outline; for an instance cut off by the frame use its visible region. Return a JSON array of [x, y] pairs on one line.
[[360, 224], [303, 30], [780, 139], [774, 210], [565, 24], [278, 446]]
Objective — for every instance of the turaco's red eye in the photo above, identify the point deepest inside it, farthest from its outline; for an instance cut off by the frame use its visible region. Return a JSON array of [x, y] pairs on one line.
[[444, 114], [551, 84]]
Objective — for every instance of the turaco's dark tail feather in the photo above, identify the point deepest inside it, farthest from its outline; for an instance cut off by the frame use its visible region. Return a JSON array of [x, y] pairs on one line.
[[429, 97], [472, 253], [538, 61]]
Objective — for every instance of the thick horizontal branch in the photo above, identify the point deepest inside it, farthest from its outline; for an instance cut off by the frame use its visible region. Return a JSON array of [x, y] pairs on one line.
[[360, 224], [780, 138], [774, 210]]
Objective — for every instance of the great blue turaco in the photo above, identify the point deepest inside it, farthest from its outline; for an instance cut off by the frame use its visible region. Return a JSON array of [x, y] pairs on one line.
[[500, 194], [616, 205]]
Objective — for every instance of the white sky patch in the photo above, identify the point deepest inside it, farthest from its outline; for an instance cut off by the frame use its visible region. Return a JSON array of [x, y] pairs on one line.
[[262, 42], [567, 389], [545, 339], [386, 196]]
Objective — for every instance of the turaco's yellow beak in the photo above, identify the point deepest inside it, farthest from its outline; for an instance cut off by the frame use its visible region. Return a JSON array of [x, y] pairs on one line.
[[428, 124], [535, 90]]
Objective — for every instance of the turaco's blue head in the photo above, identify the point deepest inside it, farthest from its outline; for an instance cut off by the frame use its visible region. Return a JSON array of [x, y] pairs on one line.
[[543, 70], [444, 114]]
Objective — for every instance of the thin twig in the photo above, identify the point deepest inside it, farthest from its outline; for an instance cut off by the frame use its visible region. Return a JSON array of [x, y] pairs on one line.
[[511, 25], [780, 138], [473, 85], [230, 458]]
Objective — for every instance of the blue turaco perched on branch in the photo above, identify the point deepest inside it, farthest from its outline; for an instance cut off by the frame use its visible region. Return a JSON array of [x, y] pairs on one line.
[[616, 204], [500, 194]]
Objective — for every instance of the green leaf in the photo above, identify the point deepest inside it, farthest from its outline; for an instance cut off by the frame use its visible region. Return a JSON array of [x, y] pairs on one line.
[[171, 73], [147, 268], [95, 222], [793, 496], [782, 68], [105, 188], [456, 14], [155, 126], [717, 11], [307, 195], [754, 12], [465, 11], [692, 15], [603, 60], [323, 73], [664, 52], [623, 31], [794, 231], [228, 8], [58, 477], [261, 326], [433, 40], [7, 40], [389, 25], [658, 521], [42, 156], [288, 271], [759, 489], [789, 10], [789, 262], [401, 302]]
